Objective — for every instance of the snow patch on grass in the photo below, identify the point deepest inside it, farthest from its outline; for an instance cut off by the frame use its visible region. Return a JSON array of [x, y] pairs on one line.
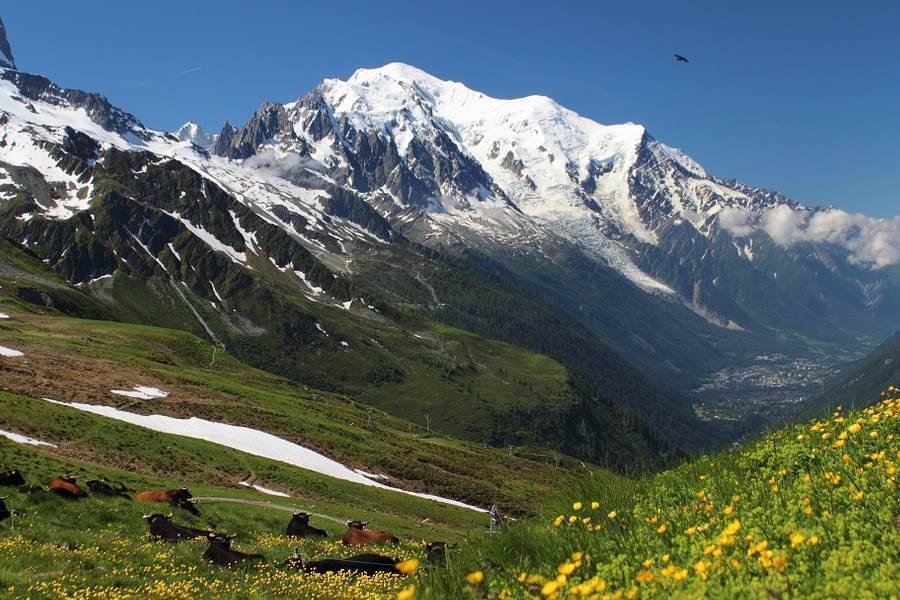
[[264, 490], [142, 392], [251, 441], [4, 351], [24, 439]]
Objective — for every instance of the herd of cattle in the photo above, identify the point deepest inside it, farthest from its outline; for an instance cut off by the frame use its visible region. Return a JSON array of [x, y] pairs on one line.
[[219, 550]]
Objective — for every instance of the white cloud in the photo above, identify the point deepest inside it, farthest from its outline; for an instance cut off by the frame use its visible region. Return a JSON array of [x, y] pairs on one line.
[[279, 164], [870, 242], [736, 220], [784, 225]]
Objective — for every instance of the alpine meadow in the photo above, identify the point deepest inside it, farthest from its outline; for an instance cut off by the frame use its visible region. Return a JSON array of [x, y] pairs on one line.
[[390, 336]]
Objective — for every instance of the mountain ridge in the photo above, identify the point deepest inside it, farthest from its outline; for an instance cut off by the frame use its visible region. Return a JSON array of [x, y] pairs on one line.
[[157, 231], [302, 208]]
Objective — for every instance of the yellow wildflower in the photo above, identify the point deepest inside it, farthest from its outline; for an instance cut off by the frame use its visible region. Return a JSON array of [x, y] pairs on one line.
[[407, 566], [475, 577], [732, 528], [644, 577], [701, 567], [549, 588]]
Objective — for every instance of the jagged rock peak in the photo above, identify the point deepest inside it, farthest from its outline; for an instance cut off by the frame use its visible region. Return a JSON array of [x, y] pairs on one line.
[[195, 133], [6, 55]]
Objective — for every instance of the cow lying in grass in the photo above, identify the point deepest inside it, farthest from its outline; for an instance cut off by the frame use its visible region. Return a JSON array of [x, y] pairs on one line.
[[6, 513], [367, 564], [11, 477], [358, 535], [300, 527], [364, 564], [64, 486], [436, 552], [104, 488], [219, 551], [179, 498], [162, 527]]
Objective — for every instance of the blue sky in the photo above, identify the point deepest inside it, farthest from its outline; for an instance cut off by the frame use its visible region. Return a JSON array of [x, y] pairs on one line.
[[802, 97]]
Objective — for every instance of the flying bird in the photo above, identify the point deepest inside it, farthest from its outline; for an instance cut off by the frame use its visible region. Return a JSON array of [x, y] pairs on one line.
[[680, 58]]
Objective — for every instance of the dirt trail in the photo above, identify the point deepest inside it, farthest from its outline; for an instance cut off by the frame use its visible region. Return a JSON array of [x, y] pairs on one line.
[[264, 504]]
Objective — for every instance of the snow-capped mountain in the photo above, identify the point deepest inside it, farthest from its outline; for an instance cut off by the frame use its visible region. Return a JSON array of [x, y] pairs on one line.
[[278, 262], [447, 165], [680, 270], [193, 132]]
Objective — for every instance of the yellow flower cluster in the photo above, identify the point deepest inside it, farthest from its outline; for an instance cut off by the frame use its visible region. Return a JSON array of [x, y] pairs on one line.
[[808, 511], [119, 567]]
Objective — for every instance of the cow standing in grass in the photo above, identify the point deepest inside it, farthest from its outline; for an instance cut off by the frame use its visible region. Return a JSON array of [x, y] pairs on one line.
[[358, 535], [219, 551], [64, 486], [300, 527], [12, 477], [163, 528]]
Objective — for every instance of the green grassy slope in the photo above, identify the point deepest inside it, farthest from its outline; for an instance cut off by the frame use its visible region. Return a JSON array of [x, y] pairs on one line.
[[471, 387], [809, 511], [79, 360], [134, 253]]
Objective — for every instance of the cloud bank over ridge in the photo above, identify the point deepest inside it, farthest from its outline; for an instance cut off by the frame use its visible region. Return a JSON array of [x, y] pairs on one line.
[[871, 242]]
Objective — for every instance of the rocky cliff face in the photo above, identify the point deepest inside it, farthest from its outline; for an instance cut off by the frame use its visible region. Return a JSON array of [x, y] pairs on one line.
[[6, 55], [450, 166]]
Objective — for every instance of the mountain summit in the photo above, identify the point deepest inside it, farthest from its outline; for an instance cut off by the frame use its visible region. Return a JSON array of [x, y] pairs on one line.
[[6, 55], [395, 191], [193, 132], [448, 165]]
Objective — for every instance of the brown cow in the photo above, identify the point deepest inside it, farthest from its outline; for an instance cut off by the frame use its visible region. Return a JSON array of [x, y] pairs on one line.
[[64, 486], [358, 535], [168, 496]]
